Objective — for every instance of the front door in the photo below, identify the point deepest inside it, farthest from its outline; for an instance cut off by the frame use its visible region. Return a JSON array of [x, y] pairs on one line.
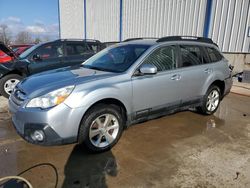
[[46, 57], [161, 91]]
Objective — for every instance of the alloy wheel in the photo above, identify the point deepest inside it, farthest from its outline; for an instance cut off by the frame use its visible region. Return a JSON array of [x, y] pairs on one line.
[[104, 130], [10, 84], [213, 100]]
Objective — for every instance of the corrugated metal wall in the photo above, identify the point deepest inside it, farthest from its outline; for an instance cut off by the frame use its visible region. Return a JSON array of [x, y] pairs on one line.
[[157, 18], [103, 19], [230, 20], [71, 19]]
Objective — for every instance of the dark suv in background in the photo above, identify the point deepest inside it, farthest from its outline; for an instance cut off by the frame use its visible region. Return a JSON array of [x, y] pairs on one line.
[[43, 57]]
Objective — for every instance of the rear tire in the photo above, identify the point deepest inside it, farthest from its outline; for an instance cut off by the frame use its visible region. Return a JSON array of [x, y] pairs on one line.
[[8, 83], [211, 101], [101, 127]]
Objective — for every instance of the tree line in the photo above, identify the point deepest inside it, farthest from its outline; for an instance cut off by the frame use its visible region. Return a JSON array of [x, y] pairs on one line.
[[22, 37]]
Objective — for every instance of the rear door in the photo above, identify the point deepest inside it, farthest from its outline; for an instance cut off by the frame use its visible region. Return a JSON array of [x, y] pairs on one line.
[[51, 57], [194, 71], [76, 53]]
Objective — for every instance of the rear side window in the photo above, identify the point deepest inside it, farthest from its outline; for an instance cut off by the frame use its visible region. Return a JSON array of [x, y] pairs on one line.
[[213, 54], [163, 58], [191, 55], [76, 49]]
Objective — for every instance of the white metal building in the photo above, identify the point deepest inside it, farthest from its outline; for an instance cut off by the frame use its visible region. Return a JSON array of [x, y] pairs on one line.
[[227, 22]]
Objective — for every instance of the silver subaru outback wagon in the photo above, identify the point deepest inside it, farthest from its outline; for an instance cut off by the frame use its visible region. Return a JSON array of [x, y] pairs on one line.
[[127, 83]]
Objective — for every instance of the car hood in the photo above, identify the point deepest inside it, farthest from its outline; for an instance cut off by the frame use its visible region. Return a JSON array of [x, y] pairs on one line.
[[48, 81]]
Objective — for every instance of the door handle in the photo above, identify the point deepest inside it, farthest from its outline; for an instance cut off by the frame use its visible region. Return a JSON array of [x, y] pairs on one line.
[[176, 77], [208, 70]]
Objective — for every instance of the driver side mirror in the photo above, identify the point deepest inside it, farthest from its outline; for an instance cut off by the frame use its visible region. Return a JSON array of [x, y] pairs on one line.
[[36, 57], [147, 69]]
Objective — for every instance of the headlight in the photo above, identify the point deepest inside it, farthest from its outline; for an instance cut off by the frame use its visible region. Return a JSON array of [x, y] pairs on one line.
[[51, 99]]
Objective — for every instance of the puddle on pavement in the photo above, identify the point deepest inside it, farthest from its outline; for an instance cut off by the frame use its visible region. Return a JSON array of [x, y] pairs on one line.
[[142, 149], [211, 124]]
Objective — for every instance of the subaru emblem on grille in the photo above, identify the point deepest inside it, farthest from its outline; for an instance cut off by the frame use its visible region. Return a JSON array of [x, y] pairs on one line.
[[20, 95]]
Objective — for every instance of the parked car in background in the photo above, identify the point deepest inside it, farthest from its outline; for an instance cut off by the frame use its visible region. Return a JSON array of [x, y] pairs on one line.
[[20, 48], [43, 57], [16, 49], [4, 57], [124, 84]]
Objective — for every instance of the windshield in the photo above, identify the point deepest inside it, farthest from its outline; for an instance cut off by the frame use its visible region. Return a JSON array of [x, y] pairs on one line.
[[117, 59], [27, 52]]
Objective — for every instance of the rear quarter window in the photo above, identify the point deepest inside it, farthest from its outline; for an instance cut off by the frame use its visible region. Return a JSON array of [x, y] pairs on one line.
[[214, 55], [95, 47]]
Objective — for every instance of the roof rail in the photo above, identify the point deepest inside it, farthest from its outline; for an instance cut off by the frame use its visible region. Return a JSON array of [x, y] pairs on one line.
[[141, 38], [91, 40], [185, 38], [74, 39]]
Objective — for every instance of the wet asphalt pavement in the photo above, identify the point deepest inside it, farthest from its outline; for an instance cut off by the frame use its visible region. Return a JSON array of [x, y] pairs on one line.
[[185, 149]]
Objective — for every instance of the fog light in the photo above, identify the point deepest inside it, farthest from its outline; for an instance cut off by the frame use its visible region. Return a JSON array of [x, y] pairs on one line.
[[37, 136]]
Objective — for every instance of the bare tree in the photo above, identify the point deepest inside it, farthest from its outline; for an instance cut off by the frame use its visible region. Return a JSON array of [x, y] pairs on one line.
[[5, 34], [37, 40], [46, 38], [23, 37]]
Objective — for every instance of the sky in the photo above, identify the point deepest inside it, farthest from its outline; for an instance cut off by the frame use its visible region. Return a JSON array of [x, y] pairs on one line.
[[39, 17]]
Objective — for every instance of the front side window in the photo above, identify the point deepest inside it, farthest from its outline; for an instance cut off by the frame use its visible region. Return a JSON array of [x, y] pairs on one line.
[[163, 58], [27, 53], [117, 59], [49, 51], [191, 55]]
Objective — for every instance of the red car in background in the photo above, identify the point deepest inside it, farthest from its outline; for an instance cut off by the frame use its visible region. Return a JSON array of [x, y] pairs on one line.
[[20, 48], [4, 57], [17, 49]]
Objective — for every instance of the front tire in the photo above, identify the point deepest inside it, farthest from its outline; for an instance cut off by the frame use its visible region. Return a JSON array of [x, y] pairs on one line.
[[8, 83], [101, 127], [210, 101]]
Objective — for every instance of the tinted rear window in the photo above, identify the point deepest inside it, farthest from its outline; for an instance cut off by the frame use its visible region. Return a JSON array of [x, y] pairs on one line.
[[213, 54], [76, 49], [191, 55], [96, 47]]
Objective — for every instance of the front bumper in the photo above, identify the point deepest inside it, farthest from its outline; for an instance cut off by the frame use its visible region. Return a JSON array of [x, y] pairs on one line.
[[59, 124]]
